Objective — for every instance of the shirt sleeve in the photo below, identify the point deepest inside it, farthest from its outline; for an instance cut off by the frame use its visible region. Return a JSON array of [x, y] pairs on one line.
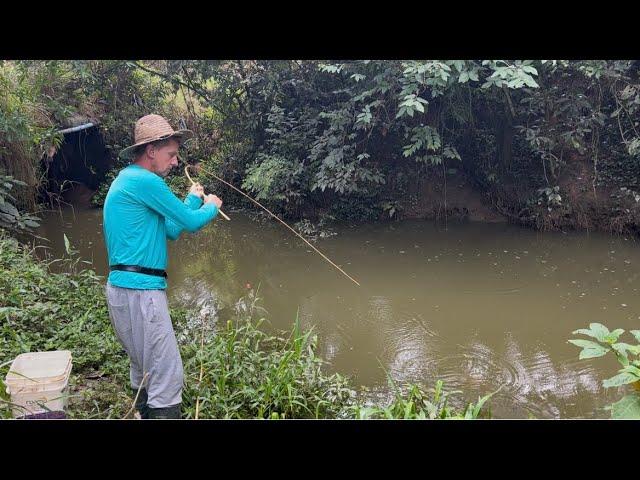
[[193, 201], [161, 199], [173, 230]]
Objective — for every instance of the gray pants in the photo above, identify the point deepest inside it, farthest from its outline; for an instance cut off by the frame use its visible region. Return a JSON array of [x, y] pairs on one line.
[[142, 323]]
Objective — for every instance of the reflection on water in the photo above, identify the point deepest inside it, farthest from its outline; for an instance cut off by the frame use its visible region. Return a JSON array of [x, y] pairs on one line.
[[479, 306]]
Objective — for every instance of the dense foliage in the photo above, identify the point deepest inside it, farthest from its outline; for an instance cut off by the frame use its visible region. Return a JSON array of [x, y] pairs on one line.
[[550, 143], [359, 139]]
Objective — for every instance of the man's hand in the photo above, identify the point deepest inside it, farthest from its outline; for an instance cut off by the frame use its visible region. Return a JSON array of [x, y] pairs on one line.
[[213, 199], [197, 189]]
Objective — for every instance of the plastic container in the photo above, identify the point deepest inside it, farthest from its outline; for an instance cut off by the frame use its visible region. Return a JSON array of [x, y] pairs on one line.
[[38, 382]]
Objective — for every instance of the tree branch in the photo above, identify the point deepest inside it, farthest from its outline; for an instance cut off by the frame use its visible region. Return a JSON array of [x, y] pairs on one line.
[[199, 91]]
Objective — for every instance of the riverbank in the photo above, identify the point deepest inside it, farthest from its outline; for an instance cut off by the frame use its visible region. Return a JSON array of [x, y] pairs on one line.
[[578, 200], [247, 373]]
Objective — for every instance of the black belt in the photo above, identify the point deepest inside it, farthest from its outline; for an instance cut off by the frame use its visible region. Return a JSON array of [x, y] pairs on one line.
[[138, 269]]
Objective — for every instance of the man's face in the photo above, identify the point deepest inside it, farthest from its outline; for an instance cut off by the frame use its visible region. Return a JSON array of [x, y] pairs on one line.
[[163, 159]]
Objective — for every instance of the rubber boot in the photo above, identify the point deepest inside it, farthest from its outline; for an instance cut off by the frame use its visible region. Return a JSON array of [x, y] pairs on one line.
[[141, 402], [166, 413]]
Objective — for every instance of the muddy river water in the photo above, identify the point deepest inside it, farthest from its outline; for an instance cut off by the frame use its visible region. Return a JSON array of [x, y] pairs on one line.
[[477, 305]]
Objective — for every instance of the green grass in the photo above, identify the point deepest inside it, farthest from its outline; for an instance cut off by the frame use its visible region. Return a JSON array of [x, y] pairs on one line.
[[250, 374]]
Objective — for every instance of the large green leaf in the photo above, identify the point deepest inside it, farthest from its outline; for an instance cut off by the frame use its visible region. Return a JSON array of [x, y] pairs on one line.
[[9, 209], [613, 336], [628, 407], [620, 379], [623, 348], [585, 331], [633, 370], [592, 353], [599, 330], [590, 349], [586, 343], [621, 351], [31, 223], [636, 334]]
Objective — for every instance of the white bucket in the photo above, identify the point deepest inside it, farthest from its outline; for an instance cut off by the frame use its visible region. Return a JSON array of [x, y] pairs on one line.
[[37, 382]]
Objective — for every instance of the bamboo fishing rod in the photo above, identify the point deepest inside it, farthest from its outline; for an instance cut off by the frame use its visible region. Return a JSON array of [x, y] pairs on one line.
[[186, 171]]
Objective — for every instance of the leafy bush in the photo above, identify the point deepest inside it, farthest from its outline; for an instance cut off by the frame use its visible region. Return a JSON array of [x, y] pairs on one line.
[[627, 355], [10, 217], [249, 374]]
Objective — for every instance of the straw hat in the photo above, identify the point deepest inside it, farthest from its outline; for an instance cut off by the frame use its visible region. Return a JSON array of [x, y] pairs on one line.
[[151, 128]]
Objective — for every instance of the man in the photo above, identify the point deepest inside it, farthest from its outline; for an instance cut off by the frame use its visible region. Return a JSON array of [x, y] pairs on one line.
[[140, 213]]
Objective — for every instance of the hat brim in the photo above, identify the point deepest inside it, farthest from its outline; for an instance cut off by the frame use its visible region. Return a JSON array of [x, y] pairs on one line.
[[126, 153]]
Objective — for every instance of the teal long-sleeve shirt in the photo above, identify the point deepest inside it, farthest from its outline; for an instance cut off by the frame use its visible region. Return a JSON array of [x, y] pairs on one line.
[[140, 214]]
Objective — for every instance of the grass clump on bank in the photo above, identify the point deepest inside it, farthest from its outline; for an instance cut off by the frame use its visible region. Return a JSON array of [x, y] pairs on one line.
[[235, 370], [248, 373], [41, 310]]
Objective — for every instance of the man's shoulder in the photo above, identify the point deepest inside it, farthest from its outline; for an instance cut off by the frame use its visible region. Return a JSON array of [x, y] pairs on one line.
[[139, 175]]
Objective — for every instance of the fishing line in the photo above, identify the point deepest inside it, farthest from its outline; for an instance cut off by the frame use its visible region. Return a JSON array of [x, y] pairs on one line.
[[274, 216]]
